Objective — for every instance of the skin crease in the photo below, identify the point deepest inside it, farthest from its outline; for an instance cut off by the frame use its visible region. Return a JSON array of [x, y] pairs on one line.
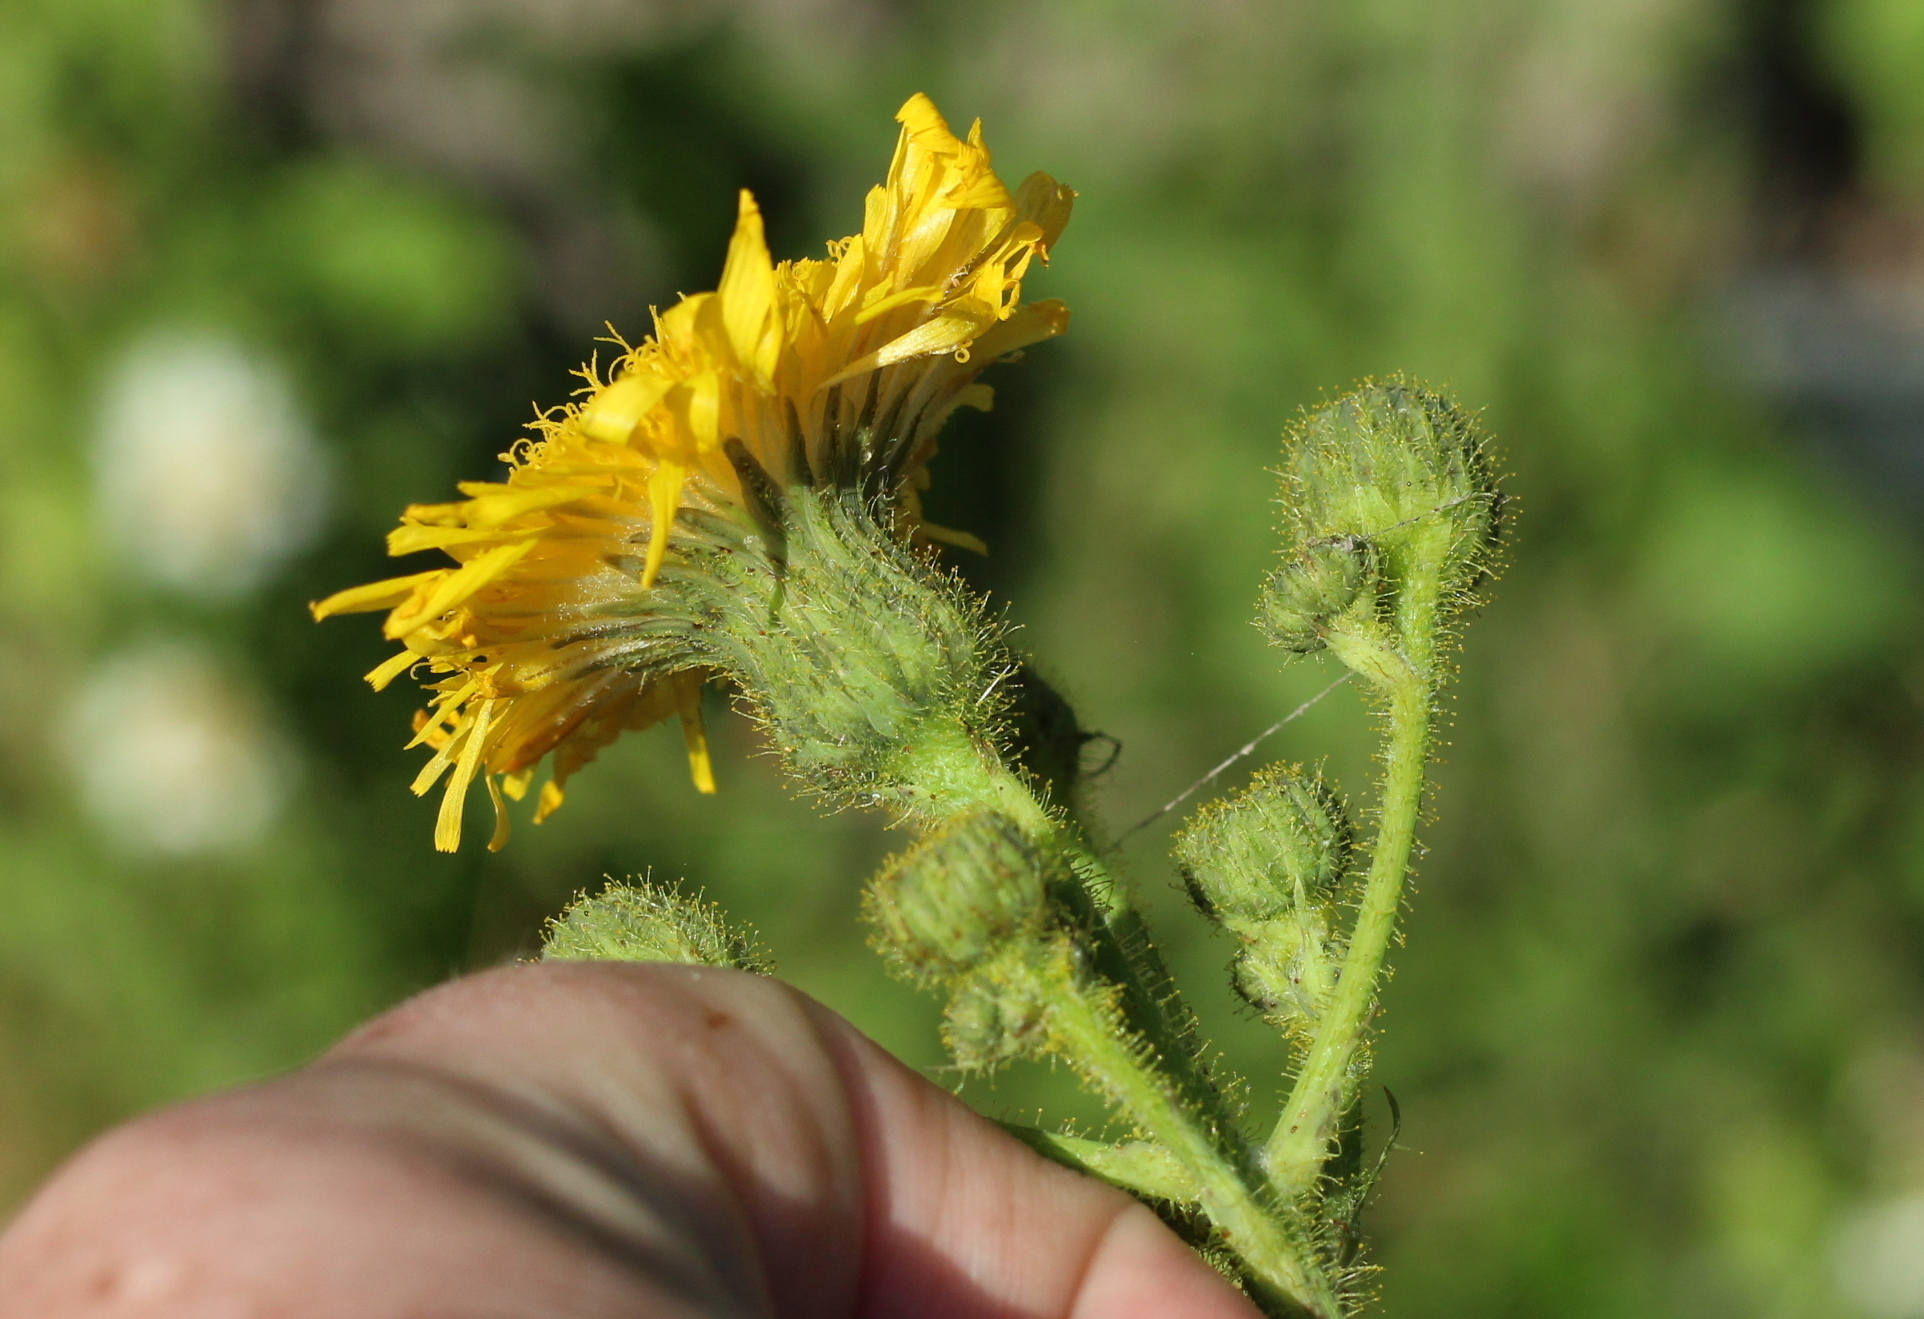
[[577, 1140]]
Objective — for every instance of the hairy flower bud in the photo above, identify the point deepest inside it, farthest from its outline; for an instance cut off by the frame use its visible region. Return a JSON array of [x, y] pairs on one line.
[[649, 923], [992, 1019], [947, 904], [1391, 482], [1282, 842], [1300, 597], [1287, 966], [1266, 864]]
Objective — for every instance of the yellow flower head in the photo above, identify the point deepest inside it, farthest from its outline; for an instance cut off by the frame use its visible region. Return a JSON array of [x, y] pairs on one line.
[[836, 372]]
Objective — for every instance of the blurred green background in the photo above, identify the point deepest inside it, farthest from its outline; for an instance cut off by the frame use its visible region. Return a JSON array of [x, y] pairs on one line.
[[274, 268]]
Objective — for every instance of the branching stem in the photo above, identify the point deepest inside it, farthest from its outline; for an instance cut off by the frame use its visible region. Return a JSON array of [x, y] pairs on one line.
[[1325, 1085], [1283, 1271], [1404, 675]]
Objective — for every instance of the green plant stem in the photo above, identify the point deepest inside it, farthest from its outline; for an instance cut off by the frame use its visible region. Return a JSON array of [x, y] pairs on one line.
[[1140, 1167], [1122, 1030], [944, 771], [1283, 1271], [1326, 1083]]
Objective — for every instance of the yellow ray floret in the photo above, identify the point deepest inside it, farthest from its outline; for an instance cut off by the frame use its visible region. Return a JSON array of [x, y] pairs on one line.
[[839, 370]]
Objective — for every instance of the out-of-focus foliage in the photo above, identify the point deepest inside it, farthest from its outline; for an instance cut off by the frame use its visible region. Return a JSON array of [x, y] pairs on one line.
[[1656, 1032]]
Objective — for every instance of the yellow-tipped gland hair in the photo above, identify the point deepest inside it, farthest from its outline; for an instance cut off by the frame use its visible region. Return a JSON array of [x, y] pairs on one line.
[[838, 371]]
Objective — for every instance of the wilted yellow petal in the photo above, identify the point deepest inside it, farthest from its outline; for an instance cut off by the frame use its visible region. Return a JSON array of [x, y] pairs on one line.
[[1031, 325], [499, 839], [1047, 203], [700, 768], [950, 536], [516, 784]]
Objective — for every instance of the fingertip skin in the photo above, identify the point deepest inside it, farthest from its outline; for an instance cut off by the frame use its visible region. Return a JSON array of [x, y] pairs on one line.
[[590, 1140]]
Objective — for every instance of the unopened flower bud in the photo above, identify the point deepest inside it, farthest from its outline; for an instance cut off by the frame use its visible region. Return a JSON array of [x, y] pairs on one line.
[[992, 1020], [1288, 965], [1266, 865], [1400, 467], [946, 905], [1309, 589], [647, 923], [1281, 844]]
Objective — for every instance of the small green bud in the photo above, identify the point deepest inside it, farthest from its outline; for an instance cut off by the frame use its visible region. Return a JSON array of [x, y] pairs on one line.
[[991, 1020], [649, 923], [1279, 845], [1287, 965], [1266, 864], [1317, 584], [948, 903]]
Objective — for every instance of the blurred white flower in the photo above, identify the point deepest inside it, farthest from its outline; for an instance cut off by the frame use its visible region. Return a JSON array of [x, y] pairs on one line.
[[206, 473], [171, 758], [1880, 1258]]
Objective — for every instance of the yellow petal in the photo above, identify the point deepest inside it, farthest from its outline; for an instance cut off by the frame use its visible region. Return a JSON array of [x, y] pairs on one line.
[[502, 829], [455, 588], [945, 334], [550, 800], [613, 414], [391, 668], [950, 536], [1047, 203], [411, 539], [849, 269], [664, 496], [375, 595], [1031, 324], [700, 768], [492, 505], [747, 294], [447, 824], [978, 396], [696, 404], [985, 192], [516, 784], [882, 306], [919, 117]]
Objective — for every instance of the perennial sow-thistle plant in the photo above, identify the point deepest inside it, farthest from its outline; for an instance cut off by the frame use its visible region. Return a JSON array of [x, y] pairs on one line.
[[737, 500]]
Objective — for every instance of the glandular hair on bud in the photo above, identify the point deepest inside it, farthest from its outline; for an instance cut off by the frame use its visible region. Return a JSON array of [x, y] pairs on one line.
[[948, 904], [1313, 587], [1401, 468], [1282, 843], [646, 922]]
